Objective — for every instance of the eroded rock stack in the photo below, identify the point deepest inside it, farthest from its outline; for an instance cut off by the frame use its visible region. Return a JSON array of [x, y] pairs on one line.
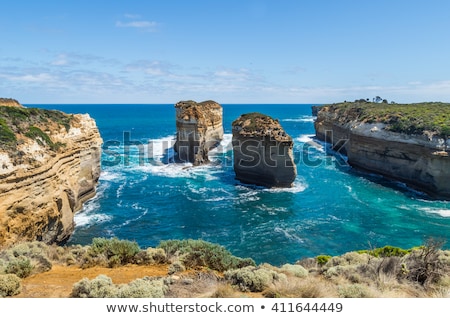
[[49, 166], [263, 152], [199, 129]]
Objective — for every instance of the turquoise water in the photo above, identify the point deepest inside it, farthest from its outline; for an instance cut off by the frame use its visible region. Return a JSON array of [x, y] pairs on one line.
[[331, 209]]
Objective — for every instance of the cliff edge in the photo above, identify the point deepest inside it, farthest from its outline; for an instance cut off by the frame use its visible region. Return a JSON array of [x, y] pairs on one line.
[[49, 166], [404, 142], [263, 152], [199, 129]]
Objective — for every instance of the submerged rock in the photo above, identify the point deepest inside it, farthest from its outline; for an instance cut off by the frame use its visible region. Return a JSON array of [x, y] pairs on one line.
[[199, 129], [263, 152]]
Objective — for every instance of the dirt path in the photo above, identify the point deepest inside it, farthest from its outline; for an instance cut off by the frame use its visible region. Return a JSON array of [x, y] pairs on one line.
[[58, 282]]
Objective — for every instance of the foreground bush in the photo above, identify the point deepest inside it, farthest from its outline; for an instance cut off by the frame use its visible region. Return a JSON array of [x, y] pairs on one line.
[[151, 256], [198, 253], [253, 279], [10, 285], [110, 252], [24, 259], [143, 288], [103, 287], [427, 265]]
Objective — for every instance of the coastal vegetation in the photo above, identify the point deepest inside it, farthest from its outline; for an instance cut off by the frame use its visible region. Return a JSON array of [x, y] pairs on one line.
[[196, 268], [17, 123], [416, 118]]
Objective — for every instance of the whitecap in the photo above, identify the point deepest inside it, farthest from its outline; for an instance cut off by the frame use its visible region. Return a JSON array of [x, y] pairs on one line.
[[161, 148], [107, 175], [272, 210], [304, 138], [440, 211], [297, 187], [304, 119], [134, 206], [171, 170], [289, 236], [248, 195], [86, 219]]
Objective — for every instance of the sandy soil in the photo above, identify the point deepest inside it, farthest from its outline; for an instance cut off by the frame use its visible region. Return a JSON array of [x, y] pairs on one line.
[[58, 282]]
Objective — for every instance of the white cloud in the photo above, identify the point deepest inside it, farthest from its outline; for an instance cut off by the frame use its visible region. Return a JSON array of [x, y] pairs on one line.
[[148, 67], [132, 16], [30, 78], [60, 60], [137, 24], [135, 21]]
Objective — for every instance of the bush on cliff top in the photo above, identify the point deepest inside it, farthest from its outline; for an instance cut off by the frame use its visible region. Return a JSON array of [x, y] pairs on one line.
[[113, 252], [103, 287], [24, 259], [10, 285], [198, 253], [404, 118], [24, 121]]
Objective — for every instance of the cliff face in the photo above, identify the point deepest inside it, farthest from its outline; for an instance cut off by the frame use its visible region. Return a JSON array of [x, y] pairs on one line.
[[263, 152], [420, 161], [49, 166], [199, 128], [9, 102]]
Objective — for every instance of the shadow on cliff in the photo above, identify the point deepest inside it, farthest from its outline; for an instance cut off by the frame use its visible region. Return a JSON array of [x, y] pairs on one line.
[[340, 163]]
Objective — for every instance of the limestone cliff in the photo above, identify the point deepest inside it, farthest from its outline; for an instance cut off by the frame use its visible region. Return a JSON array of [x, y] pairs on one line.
[[263, 152], [199, 128], [49, 166], [9, 102], [420, 160]]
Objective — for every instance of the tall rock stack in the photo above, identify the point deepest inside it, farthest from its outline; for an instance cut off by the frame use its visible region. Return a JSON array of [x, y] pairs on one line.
[[49, 166], [199, 129], [263, 152]]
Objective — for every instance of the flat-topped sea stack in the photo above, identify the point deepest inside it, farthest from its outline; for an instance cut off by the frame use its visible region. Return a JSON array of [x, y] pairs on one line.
[[49, 166], [199, 129], [263, 152], [405, 142]]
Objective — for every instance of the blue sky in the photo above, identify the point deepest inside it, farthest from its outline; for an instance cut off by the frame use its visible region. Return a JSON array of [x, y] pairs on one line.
[[233, 51]]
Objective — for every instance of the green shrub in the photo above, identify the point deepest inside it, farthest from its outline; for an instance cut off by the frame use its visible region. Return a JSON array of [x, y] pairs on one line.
[[354, 291], [24, 259], [176, 267], [117, 252], [296, 270], [10, 285], [99, 287], [7, 136], [350, 258], [151, 256], [323, 259], [103, 287], [386, 251], [253, 279], [41, 137], [143, 288], [198, 253], [402, 118], [20, 266]]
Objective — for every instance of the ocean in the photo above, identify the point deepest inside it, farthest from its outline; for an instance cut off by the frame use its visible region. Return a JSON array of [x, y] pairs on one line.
[[145, 197]]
